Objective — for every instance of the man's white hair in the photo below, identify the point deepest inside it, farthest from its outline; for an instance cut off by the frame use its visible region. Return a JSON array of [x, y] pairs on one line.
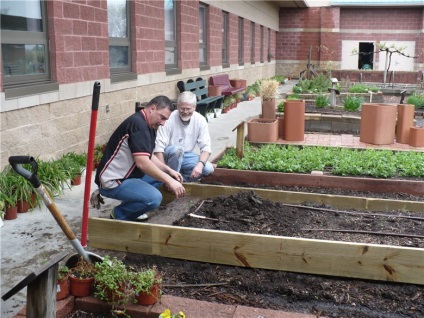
[[187, 97]]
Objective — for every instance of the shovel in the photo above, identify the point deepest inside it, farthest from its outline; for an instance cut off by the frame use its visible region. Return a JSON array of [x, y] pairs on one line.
[[16, 162]]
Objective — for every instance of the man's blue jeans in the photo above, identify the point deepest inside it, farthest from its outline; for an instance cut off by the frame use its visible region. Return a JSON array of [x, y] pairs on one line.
[[183, 162], [137, 197]]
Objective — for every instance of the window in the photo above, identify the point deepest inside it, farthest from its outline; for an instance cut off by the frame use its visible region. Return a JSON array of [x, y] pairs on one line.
[[203, 58], [171, 40], [269, 45], [119, 38], [252, 42], [366, 56], [262, 44], [240, 41], [24, 44], [225, 60]]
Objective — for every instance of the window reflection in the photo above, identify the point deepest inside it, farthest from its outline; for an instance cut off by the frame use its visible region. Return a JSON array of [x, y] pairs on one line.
[[21, 16], [23, 59]]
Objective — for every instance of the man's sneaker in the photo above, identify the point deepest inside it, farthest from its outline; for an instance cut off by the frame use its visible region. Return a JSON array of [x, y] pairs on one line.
[[142, 218]]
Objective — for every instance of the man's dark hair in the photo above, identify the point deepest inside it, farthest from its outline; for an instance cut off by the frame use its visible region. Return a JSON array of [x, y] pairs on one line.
[[161, 102]]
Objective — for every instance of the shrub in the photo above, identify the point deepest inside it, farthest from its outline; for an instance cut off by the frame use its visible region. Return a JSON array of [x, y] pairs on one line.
[[297, 90], [416, 100], [362, 88], [322, 101], [293, 97], [352, 103], [280, 107]]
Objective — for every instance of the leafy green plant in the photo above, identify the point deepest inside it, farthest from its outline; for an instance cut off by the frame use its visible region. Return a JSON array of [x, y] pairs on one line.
[[352, 103], [280, 107], [62, 272], [143, 280], [322, 101], [362, 88], [339, 161], [293, 97], [112, 282], [228, 100], [297, 90], [416, 99], [8, 182]]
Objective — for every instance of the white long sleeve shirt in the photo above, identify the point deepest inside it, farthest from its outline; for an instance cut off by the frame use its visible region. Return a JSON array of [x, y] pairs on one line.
[[174, 132]]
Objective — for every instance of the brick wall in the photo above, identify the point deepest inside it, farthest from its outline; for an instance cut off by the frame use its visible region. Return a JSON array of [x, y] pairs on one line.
[[148, 55], [215, 36], [324, 29], [188, 34], [233, 38], [78, 41]]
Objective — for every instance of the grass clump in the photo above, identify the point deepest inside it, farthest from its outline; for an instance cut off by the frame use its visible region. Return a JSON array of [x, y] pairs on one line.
[[322, 101], [352, 103]]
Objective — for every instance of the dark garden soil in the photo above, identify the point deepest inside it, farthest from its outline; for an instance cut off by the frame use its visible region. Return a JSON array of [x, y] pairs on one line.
[[323, 296]]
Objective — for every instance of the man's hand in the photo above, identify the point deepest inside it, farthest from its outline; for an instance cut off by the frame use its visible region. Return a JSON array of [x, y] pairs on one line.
[[96, 199], [176, 175], [197, 171], [176, 187]]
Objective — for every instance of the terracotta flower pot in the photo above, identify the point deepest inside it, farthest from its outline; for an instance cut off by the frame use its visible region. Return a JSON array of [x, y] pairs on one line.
[[76, 180], [151, 298], [11, 212], [62, 288], [294, 120], [262, 130], [269, 109], [378, 123], [81, 287], [214, 90], [405, 121], [238, 83], [416, 138], [22, 206]]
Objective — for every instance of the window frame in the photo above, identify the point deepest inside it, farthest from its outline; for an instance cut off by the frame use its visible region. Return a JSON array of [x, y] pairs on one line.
[[252, 42], [269, 46], [261, 58], [172, 68], [241, 41], [225, 51], [28, 38], [123, 73], [203, 46]]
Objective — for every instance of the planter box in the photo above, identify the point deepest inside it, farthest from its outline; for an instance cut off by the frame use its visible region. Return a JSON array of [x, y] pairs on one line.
[[405, 120], [262, 130], [378, 123], [294, 120]]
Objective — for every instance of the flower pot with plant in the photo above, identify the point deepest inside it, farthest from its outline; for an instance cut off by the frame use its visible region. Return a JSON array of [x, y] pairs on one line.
[[75, 165], [147, 286], [82, 278], [269, 94], [113, 282], [62, 282], [8, 194]]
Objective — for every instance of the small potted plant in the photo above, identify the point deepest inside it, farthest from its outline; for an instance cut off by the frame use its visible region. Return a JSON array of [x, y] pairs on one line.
[[62, 282], [147, 285], [113, 282], [82, 278], [269, 94]]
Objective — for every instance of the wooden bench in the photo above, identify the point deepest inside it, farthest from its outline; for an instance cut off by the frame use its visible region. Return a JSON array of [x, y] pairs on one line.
[[205, 103], [223, 80]]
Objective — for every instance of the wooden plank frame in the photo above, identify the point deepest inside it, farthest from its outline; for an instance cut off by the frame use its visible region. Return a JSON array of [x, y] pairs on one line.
[[323, 257]]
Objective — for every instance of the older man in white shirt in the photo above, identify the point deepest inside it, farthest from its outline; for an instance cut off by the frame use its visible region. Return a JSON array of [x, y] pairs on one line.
[[177, 138]]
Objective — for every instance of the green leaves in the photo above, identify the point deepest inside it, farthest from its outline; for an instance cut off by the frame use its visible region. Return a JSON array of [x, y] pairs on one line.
[[339, 161]]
